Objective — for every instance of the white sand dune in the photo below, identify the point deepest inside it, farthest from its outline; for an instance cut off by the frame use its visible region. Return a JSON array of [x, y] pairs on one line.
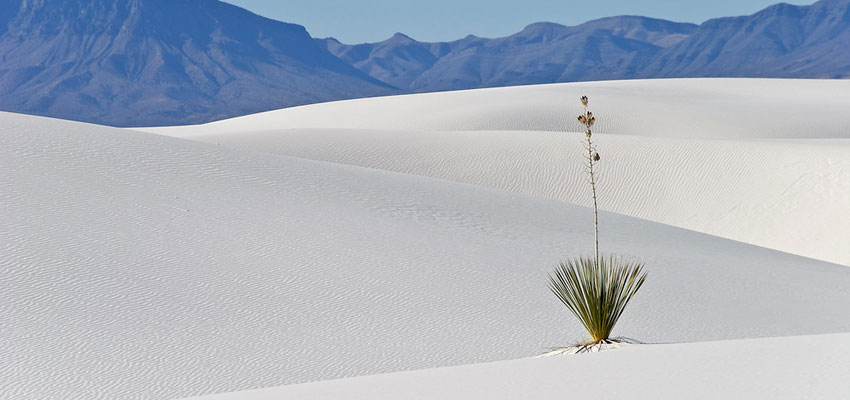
[[788, 195], [141, 266], [743, 369], [762, 161], [734, 108]]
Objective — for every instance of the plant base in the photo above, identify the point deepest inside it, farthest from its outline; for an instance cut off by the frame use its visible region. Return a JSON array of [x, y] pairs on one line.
[[591, 347]]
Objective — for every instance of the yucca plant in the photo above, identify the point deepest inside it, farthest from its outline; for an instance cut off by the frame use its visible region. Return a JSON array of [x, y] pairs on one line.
[[595, 289], [597, 293]]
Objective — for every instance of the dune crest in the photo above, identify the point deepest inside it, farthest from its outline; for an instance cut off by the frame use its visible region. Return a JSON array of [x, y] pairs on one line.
[[762, 161]]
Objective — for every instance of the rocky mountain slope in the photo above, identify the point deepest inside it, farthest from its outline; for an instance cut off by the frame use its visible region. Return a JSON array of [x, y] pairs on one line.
[[160, 62]]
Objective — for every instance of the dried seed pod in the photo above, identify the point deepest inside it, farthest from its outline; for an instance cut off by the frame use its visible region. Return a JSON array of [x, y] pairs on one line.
[[583, 119], [584, 100], [596, 156], [591, 121]]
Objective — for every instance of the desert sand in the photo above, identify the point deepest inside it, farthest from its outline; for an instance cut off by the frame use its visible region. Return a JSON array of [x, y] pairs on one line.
[[137, 265], [761, 161]]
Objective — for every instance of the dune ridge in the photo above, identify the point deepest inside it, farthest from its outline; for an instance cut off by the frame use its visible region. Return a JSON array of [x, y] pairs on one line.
[[762, 161], [711, 108], [784, 195]]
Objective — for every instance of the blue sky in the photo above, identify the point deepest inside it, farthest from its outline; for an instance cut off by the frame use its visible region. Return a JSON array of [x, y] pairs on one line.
[[357, 21]]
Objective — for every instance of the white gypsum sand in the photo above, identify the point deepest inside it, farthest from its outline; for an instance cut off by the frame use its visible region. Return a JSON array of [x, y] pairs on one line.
[[711, 108], [771, 369], [141, 266], [762, 161], [788, 195]]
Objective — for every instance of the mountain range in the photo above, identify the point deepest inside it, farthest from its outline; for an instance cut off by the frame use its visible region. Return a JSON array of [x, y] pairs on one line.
[[172, 62], [153, 62]]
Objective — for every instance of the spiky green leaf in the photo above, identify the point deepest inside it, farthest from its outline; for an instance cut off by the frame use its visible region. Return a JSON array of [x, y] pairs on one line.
[[597, 294]]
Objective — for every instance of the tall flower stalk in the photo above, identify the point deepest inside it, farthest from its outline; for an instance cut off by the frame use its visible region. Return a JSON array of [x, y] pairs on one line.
[[587, 119]]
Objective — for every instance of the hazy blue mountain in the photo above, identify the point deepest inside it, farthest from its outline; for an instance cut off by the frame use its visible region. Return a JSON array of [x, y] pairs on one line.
[[156, 62], [780, 41], [546, 52], [152, 62], [397, 61], [540, 53]]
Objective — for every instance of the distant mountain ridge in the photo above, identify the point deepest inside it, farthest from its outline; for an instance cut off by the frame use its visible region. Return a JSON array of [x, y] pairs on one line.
[[171, 62], [154, 62], [608, 48], [780, 41]]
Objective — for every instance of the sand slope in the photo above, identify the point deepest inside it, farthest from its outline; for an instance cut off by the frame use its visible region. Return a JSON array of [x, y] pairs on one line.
[[744, 369], [789, 195], [141, 266], [761, 161], [700, 108]]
